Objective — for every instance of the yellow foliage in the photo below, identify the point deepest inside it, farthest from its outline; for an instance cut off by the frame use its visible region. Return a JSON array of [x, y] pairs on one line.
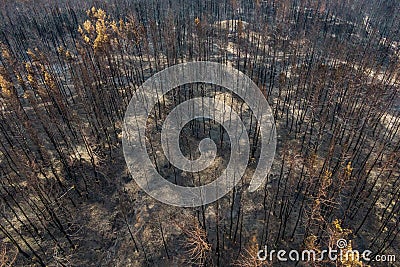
[[99, 14], [49, 80], [327, 179], [6, 53], [101, 39], [337, 225], [28, 94], [100, 27], [338, 230], [197, 21], [31, 53], [31, 79], [114, 26], [91, 11], [87, 25], [96, 30], [60, 49], [350, 259], [68, 54], [100, 32], [348, 169], [86, 38], [121, 25], [19, 78], [5, 86]]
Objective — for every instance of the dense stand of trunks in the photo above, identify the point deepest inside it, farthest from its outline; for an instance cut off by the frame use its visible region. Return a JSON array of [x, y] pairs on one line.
[[329, 69]]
